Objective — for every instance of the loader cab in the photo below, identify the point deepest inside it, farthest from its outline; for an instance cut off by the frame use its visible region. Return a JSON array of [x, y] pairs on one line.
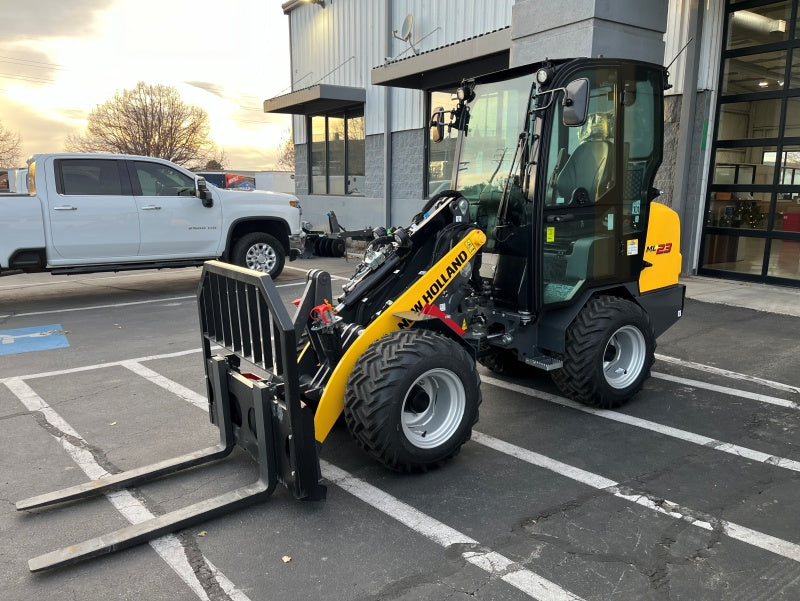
[[574, 214]]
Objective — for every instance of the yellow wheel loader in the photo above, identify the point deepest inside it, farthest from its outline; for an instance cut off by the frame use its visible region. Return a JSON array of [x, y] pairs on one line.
[[544, 251]]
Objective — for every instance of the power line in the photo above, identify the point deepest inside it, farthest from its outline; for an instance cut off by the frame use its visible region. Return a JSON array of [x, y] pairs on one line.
[[27, 78], [31, 63]]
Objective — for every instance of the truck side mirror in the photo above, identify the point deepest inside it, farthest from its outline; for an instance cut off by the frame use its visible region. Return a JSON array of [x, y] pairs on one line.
[[203, 193], [576, 102], [437, 124]]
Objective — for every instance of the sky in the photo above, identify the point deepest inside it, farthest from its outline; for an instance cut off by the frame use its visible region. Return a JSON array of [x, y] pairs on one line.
[[59, 59]]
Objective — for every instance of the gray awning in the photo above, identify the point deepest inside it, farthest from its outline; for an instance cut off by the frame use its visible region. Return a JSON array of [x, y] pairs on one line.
[[316, 100], [449, 64]]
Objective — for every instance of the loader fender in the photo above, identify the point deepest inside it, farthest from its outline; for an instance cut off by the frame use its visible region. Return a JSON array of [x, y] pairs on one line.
[[662, 252], [424, 291]]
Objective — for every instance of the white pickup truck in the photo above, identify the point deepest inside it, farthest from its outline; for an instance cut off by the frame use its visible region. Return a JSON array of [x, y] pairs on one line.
[[107, 212]]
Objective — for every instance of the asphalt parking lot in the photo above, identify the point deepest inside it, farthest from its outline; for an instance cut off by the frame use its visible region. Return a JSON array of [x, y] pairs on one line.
[[690, 492]]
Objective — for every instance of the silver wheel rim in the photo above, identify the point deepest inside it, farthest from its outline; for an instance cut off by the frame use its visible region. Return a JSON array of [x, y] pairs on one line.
[[261, 257], [433, 408], [624, 356]]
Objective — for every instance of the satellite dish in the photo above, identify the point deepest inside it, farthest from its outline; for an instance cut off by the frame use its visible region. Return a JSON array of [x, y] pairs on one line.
[[405, 31]]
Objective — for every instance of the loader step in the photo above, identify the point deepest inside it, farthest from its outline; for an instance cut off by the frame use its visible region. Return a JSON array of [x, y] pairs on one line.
[[544, 362]]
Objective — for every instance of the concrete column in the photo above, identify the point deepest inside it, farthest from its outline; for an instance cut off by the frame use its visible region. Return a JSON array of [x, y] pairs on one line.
[[573, 28]]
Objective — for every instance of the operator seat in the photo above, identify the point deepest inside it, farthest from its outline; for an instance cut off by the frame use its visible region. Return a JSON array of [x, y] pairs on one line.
[[589, 169]]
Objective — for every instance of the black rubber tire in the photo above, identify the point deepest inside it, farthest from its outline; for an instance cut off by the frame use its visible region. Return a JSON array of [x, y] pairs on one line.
[[389, 377], [610, 348], [260, 251], [337, 248]]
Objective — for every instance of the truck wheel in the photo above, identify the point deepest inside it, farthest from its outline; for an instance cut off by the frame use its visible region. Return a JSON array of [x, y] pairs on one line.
[[609, 352], [412, 399], [261, 252]]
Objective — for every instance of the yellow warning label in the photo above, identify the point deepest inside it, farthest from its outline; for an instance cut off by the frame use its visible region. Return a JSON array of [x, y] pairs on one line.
[[551, 234]]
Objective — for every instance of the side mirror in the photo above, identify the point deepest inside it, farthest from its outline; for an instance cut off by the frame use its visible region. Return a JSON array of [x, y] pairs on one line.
[[437, 124], [576, 102], [203, 193]]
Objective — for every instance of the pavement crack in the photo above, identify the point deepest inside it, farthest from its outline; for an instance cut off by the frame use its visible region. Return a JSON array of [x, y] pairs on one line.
[[97, 454], [202, 571], [563, 508], [15, 415]]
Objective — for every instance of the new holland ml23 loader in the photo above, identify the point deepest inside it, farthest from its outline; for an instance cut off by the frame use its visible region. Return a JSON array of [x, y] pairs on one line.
[[546, 251]]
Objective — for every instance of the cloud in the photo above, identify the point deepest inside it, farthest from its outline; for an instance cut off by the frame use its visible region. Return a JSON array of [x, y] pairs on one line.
[[33, 22], [39, 133], [48, 18], [208, 87]]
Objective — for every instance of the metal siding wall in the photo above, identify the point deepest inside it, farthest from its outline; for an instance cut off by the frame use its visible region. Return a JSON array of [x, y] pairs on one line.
[[674, 39], [336, 45], [435, 24], [713, 20], [341, 43]]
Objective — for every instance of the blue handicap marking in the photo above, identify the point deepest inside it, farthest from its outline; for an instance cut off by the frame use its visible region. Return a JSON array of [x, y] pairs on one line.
[[38, 338]]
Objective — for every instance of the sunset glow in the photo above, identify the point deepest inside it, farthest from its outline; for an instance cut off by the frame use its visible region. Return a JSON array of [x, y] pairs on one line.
[[63, 59]]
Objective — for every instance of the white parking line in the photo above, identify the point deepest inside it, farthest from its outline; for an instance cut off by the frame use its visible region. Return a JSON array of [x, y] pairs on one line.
[[728, 374], [168, 547], [75, 370], [117, 305], [752, 537], [171, 551], [73, 280], [333, 277], [742, 533], [94, 307], [761, 398], [528, 582], [156, 378], [698, 439]]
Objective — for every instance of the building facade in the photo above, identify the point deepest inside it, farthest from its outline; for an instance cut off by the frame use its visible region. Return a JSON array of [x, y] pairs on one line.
[[361, 68]]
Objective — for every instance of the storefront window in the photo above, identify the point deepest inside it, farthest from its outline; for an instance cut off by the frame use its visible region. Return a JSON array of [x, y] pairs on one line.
[[739, 254], [752, 214], [792, 127], [337, 153], [746, 120], [784, 258], [751, 73], [794, 76], [318, 156], [759, 25], [355, 155], [739, 209], [749, 165]]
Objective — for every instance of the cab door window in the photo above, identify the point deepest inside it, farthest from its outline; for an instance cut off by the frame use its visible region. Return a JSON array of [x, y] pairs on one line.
[[581, 193], [641, 100]]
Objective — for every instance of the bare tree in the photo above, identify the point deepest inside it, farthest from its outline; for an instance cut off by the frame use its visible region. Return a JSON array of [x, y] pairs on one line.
[[215, 161], [149, 120], [286, 153], [9, 147]]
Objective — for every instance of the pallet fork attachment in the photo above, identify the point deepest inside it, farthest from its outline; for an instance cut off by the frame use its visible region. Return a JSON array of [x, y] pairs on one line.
[[258, 409]]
